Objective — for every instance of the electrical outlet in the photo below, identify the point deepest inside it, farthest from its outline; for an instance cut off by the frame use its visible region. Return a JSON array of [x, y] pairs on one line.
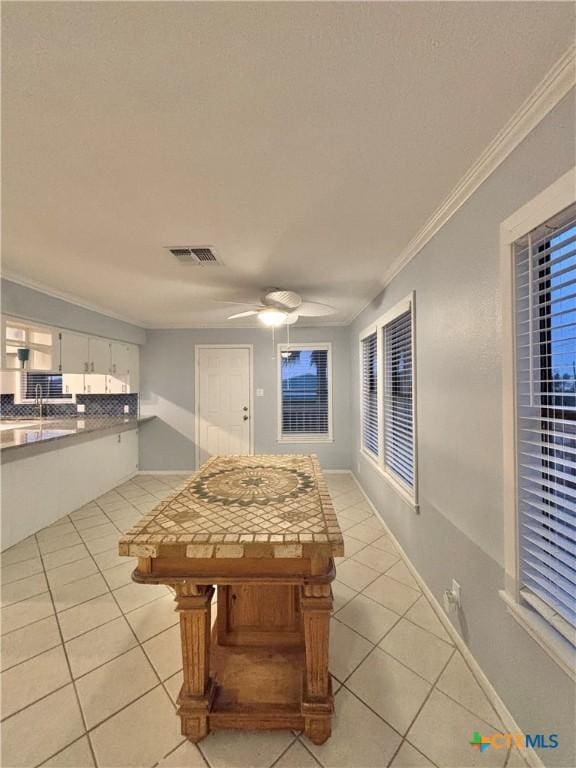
[[80, 407], [126, 409], [456, 593], [452, 598]]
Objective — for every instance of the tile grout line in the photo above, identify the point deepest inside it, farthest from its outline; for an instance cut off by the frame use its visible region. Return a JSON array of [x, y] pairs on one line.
[[87, 730], [104, 623], [447, 626], [283, 752], [296, 738], [376, 645], [171, 752], [66, 657], [40, 556], [420, 752], [139, 645]]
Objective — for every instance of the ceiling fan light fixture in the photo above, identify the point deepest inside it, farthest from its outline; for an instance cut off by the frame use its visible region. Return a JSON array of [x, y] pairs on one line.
[[272, 318]]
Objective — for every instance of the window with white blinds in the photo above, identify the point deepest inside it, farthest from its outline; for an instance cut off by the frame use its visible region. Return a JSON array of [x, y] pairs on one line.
[[398, 400], [545, 279], [47, 386], [387, 406], [305, 392], [370, 438]]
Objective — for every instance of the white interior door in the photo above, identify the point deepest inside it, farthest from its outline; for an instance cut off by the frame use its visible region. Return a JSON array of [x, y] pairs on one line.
[[223, 401]]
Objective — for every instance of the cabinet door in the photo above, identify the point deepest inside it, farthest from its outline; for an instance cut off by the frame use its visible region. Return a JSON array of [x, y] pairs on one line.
[[9, 382], [99, 355], [116, 385], [73, 383], [95, 384], [126, 454], [120, 357], [133, 368], [73, 352]]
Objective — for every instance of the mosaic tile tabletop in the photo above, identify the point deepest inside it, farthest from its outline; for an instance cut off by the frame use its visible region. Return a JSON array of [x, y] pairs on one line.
[[243, 506]]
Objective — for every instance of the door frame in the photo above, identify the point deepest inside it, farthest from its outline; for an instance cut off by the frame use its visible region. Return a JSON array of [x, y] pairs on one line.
[[197, 347]]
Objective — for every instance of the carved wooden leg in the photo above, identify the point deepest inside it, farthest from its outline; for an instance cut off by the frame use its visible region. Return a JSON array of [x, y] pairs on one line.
[[197, 692], [318, 702]]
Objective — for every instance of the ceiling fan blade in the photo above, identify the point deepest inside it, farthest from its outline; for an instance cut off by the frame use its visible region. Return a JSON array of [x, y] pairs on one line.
[[249, 313], [283, 299], [291, 318], [249, 303], [314, 309]]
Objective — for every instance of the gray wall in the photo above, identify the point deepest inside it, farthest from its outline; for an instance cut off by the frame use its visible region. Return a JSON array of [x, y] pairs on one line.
[[459, 531], [20, 301], [167, 390]]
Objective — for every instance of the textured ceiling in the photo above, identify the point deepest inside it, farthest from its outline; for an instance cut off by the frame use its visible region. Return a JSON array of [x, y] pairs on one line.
[[306, 142]]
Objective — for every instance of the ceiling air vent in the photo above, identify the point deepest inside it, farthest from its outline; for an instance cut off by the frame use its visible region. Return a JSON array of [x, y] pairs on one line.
[[194, 254]]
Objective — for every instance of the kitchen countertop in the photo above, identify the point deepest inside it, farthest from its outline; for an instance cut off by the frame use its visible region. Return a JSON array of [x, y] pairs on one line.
[[28, 436]]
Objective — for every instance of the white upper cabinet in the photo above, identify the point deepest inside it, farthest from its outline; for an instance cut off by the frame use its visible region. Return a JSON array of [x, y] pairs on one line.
[[89, 364], [74, 352], [99, 357], [73, 383], [120, 357], [125, 365]]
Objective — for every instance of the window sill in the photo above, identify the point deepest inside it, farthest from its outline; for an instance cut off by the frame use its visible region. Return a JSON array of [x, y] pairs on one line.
[[556, 646], [405, 494], [305, 439]]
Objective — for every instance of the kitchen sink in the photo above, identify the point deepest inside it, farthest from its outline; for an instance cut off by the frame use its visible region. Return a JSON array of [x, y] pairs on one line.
[[17, 424]]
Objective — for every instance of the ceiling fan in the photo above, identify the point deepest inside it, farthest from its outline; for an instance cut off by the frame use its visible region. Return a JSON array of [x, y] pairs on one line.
[[282, 308]]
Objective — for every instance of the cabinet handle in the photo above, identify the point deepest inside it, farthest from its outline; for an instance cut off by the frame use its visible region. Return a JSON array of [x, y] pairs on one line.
[[92, 367], [85, 367]]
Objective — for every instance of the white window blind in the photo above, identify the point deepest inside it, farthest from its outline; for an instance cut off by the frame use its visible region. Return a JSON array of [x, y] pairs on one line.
[[545, 276], [398, 399], [370, 394], [305, 392], [48, 386]]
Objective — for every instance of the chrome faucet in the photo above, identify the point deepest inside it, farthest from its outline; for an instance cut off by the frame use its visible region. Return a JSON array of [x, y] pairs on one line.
[[39, 399]]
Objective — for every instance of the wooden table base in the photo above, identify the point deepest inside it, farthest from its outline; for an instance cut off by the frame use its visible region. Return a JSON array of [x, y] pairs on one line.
[[264, 666]]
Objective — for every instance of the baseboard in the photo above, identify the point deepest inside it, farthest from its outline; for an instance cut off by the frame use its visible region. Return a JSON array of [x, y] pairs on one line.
[[165, 471], [336, 471], [506, 716]]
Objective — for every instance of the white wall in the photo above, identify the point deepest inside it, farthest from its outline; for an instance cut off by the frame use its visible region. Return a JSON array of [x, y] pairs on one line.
[[459, 531], [167, 390]]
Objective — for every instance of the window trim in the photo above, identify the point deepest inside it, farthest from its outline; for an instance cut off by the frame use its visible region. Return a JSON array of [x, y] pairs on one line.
[[407, 304], [544, 206], [303, 437]]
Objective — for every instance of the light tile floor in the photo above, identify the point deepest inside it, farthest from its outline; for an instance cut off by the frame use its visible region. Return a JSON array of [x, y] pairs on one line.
[[91, 661]]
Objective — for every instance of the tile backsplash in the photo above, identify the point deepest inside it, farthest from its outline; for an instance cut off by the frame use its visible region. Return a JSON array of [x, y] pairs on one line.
[[96, 405]]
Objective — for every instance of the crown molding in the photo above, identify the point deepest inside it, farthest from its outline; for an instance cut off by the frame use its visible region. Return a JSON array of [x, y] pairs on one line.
[[560, 79], [228, 326], [549, 92], [14, 277]]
